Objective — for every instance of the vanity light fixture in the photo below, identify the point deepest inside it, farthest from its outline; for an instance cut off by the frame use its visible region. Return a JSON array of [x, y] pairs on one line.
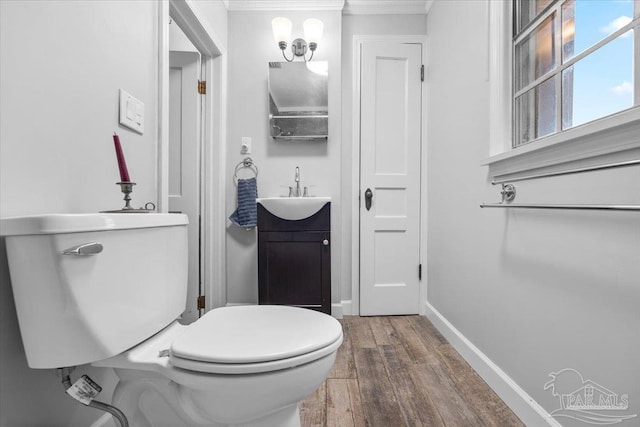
[[312, 33]]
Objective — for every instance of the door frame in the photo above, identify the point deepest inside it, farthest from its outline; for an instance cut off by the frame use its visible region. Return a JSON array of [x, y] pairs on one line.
[[358, 42], [213, 149], [187, 198]]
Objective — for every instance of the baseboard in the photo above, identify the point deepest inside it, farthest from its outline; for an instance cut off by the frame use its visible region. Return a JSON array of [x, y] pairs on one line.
[[523, 405], [346, 307], [341, 309]]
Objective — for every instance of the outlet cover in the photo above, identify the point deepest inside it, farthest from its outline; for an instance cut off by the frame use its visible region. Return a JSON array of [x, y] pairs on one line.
[[246, 145]]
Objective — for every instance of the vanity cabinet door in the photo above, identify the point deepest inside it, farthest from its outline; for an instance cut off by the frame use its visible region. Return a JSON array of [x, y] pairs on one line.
[[294, 269]]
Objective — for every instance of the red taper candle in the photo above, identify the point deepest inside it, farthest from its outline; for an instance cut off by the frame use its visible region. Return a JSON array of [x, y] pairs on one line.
[[122, 165]]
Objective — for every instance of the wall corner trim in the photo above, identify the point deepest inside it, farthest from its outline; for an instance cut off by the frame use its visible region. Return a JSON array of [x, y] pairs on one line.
[[523, 405]]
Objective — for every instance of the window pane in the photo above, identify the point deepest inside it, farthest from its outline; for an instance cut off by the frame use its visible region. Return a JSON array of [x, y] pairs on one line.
[[535, 54], [586, 22], [535, 112], [529, 9], [599, 84]]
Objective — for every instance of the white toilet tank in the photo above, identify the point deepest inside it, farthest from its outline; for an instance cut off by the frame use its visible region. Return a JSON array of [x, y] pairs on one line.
[[75, 309]]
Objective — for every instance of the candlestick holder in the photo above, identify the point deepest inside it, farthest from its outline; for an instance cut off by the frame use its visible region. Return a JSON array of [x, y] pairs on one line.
[[127, 188]]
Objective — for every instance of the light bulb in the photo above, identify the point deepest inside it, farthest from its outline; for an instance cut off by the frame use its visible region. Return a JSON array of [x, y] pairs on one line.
[[281, 29], [313, 30]]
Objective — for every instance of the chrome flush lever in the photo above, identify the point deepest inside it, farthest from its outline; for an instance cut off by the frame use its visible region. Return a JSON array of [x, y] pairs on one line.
[[86, 249]]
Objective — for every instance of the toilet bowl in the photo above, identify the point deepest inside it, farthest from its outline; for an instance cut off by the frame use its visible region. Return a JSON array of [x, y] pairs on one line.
[[244, 365], [235, 366]]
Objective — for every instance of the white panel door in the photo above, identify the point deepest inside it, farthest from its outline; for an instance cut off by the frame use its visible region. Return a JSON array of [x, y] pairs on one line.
[[390, 135], [184, 160]]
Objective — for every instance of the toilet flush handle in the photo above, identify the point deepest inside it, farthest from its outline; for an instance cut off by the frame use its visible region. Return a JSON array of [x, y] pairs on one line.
[[92, 248]]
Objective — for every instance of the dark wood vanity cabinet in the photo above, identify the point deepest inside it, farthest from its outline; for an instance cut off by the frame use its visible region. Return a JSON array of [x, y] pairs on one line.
[[294, 260]]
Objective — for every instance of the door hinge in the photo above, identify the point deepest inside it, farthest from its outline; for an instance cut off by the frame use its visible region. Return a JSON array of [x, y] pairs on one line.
[[422, 73], [419, 271], [200, 302], [202, 87]]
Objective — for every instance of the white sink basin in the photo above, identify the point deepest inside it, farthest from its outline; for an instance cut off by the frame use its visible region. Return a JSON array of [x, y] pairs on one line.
[[293, 208]]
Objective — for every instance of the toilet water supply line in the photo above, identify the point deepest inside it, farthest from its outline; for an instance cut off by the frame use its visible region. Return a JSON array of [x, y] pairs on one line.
[[117, 413]]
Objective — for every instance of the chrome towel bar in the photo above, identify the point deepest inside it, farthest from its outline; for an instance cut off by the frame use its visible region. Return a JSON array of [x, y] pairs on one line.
[[573, 207]]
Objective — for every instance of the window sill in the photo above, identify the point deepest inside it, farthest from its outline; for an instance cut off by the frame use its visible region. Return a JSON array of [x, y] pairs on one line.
[[598, 142]]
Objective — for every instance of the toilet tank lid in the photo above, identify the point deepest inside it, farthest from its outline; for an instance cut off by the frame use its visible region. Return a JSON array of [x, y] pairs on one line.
[[77, 223]]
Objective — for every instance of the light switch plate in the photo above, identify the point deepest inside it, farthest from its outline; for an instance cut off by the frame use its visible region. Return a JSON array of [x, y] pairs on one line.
[[131, 112]]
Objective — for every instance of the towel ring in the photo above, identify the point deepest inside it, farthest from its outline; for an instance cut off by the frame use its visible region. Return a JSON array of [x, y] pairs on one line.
[[246, 163]]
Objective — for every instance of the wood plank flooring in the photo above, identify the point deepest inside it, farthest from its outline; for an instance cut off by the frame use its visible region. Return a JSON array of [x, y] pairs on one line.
[[400, 371]]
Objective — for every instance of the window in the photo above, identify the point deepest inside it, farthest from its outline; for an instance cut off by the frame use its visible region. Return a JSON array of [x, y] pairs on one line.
[[565, 77], [573, 63]]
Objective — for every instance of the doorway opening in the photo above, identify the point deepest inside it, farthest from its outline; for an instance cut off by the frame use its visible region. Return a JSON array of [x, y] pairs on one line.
[[192, 131], [185, 154]]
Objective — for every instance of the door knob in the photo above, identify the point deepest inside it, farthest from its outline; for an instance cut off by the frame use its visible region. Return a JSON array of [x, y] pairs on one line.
[[368, 196], [325, 242]]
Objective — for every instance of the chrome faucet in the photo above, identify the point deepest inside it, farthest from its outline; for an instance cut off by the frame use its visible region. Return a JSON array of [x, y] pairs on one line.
[[297, 179], [295, 191]]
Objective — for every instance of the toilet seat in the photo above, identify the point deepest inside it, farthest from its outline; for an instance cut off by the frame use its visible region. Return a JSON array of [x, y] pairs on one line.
[[252, 339]]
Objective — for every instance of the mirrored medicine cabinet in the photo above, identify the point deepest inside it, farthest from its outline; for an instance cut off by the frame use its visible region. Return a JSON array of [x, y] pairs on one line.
[[298, 100]]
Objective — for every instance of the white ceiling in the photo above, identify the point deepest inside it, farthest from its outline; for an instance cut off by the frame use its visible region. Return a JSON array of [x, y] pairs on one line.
[[348, 7]]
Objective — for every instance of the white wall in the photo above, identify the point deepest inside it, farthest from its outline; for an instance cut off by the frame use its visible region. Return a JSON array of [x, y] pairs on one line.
[[251, 48], [325, 165], [353, 25], [536, 291], [62, 65]]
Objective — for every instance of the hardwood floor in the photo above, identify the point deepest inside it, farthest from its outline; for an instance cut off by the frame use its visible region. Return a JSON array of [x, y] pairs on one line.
[[400, 371]]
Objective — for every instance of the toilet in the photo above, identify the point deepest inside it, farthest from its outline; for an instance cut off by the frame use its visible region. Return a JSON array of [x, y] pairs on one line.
[[108, 289]]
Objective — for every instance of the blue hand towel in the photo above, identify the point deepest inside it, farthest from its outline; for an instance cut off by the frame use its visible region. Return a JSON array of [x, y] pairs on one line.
[[246, 214]]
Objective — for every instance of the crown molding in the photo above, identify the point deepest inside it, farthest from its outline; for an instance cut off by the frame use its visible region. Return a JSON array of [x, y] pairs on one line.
[[348, 7], [264, 5], [387, 7]]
